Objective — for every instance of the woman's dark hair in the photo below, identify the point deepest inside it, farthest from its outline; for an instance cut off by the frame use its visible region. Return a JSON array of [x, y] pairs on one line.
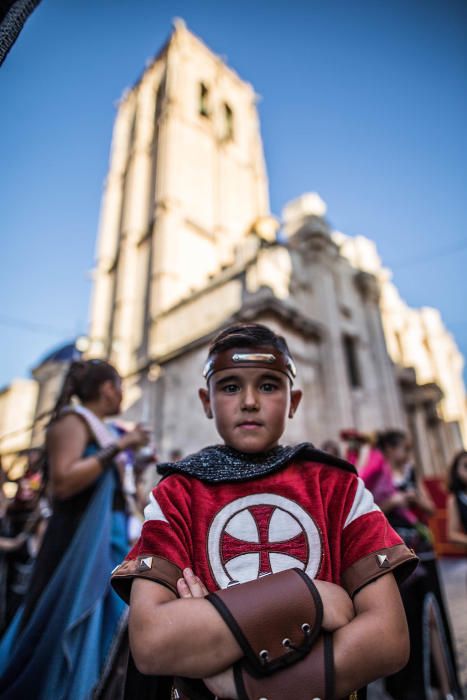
[[455, 483], [84, 379], [248, 335], [388, 439]]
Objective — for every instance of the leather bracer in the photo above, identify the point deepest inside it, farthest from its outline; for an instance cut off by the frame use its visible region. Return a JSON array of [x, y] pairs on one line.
[[275, 619], [311, 677]]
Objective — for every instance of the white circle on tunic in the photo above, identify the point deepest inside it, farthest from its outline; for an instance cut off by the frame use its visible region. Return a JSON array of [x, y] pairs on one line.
[[288, 520]]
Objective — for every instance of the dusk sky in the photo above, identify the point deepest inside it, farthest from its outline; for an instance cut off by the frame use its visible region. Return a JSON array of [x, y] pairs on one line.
[[363, 102]]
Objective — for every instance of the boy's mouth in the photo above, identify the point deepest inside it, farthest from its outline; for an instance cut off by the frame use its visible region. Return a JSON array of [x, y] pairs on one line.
[[249, 424]]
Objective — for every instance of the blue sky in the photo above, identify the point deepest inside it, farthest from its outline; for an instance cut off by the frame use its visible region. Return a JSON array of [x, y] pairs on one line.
[[362, 101]]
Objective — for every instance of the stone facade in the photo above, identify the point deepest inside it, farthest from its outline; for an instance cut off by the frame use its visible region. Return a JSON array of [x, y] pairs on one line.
[[434, 393], [187, 245], [17, 413], [186, 182]]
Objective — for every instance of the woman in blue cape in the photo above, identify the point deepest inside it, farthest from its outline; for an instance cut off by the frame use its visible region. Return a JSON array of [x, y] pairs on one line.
[[69, 636]]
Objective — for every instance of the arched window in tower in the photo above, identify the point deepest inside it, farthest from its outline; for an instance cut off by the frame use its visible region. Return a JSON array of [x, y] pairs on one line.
[[203, 100], [228, 123]]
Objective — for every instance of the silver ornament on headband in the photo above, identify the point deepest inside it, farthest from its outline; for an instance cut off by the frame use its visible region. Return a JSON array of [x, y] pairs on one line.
[[281, 362], [253, 357]]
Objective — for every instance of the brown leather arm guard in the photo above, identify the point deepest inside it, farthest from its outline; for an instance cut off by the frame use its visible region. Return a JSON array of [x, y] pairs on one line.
[[311, 677], [275, 619]]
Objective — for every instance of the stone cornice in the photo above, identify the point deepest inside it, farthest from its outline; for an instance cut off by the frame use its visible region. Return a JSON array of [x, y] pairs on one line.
[[368, 286], [263, 302]]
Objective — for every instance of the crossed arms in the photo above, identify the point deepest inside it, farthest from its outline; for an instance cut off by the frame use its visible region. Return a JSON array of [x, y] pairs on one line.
[[187, 636]]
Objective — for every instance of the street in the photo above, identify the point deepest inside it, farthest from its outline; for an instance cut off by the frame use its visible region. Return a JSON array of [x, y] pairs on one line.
[[454, 576]]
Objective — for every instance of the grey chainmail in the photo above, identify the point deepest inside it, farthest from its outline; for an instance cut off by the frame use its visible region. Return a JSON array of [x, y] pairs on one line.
[[220, 463]]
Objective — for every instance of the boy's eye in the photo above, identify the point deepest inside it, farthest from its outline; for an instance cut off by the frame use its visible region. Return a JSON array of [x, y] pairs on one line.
[[268, 387], [230, 388]]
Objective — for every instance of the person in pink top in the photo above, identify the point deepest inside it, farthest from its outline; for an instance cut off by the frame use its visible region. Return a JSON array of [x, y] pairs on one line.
[[391, 477]]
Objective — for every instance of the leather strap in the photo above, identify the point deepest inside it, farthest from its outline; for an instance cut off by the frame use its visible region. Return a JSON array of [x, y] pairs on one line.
[[147, 566], [399, 559], [266, 357], [311, 677], [276, 619]]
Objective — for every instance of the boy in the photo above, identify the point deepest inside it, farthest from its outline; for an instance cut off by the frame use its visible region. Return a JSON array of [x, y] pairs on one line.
[[269, 531]]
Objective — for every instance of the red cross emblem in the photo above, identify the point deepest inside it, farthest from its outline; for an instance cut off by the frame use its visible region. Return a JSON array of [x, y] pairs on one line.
[[261, 534], [295, 546]]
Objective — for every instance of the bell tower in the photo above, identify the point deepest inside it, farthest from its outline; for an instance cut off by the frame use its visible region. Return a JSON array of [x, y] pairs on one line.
[[186, 183]]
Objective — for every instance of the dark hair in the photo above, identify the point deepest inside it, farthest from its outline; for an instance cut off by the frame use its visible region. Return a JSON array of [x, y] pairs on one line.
[[455, 483], [390, 438], [84, 379], [248, 335]]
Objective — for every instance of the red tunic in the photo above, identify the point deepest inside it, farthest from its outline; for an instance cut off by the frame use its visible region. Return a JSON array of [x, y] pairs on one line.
[[316, 517]]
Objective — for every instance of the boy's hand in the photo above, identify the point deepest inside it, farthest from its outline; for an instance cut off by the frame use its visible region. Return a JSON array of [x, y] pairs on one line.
[[222, 684], [190, 586], [338, 608]]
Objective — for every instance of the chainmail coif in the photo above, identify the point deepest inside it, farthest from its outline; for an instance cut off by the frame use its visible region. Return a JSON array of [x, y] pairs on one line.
[[220, 463]]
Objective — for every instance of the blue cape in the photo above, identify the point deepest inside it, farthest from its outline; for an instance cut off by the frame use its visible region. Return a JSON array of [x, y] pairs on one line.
[[62, 650]]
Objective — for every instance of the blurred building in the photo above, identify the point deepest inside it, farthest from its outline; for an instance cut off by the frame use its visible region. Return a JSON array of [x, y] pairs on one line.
[[17, 412], [187, 244], [417, 339], [49, 374], [186, 183]]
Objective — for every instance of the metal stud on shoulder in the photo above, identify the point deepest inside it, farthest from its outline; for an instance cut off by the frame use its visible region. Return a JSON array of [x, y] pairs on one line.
[[383, 561], [306, 628], [145, 564], [264, 655]]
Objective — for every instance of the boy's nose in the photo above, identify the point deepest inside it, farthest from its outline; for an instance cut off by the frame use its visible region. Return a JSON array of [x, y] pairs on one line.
[[250, 400]]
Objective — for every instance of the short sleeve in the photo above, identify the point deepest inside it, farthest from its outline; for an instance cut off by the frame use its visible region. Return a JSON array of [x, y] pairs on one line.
[[164, 547], [370, 546]]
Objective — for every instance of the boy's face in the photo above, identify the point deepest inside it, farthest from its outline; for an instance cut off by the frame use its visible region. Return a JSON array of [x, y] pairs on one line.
[[250, 406]]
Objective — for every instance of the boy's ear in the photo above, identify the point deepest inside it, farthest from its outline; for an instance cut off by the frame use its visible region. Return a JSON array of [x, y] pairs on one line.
[[295, 398], [205, 401]]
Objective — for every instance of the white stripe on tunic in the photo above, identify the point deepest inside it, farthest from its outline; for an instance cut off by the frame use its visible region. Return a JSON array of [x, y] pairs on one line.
[[363, 503]]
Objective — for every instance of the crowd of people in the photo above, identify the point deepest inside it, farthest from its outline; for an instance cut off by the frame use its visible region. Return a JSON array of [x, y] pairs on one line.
[[78, 510], [388, 471], [65, 633]]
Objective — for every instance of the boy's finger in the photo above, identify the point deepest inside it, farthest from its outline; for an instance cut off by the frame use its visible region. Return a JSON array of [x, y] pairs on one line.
[[204, 590], [197, 589], [183, 589]]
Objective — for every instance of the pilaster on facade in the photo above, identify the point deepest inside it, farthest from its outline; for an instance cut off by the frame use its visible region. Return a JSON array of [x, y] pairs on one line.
[[384, 390]]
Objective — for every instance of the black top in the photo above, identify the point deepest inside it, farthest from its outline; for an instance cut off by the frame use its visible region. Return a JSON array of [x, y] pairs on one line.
[[461, 501]]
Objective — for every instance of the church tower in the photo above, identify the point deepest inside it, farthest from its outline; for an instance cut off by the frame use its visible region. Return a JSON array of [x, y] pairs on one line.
[[186, 183]]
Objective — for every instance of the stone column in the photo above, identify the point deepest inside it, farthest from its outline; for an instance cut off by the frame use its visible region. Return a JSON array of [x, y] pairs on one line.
[[319, 257], [385, 385], [109, 233], [166, 232], [427, 467], [133, 271]]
